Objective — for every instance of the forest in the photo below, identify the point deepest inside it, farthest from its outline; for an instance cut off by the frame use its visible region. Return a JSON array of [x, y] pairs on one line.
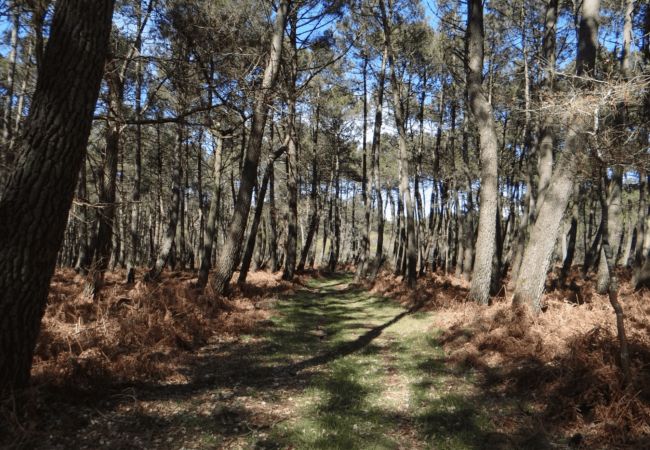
[[324, 224]]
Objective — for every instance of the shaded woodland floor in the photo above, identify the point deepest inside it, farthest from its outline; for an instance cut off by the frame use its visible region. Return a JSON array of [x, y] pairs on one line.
[[324, 363]]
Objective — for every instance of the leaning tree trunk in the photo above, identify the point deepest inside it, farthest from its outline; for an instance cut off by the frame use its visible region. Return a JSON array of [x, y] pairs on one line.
[[37, 197], [257, 217], [538, 253], [229, 253], [482, 114]]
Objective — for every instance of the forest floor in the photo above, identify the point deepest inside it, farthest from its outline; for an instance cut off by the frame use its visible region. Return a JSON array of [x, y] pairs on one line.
[[322, 363]]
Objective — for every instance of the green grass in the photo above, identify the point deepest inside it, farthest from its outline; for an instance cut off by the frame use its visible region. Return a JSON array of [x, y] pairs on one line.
[[379, 378]]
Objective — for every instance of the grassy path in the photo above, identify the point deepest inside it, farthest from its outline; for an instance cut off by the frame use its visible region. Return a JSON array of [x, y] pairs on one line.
[[377, 378], [334, 368]]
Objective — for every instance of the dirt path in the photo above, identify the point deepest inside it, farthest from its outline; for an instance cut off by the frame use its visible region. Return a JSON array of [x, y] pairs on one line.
[[335, 368]]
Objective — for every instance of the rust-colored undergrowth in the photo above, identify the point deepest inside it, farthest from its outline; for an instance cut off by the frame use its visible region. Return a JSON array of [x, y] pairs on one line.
[[560, 368], [141, 331]]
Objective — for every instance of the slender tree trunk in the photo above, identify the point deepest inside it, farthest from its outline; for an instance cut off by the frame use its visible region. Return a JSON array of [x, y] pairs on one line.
[[173, 214], [613, 286], [335, 222], [108, 183], [7, 126], [273, 224], [411, 257], [83, 257], [259, 207], [314, 216], [229, 253], [571, 245], [483, 116], [614, 227], [209, 234], [36, 199]]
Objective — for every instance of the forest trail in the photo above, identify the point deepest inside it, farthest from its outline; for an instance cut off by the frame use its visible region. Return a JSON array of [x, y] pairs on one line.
[[333, 368]]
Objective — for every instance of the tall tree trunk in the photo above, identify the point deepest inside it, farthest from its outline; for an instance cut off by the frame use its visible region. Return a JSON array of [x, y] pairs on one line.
[[108, 182], [291, 245], [36, 199], [411, 257], [335, 222], [134, 235], [483, 116], [376, 145], [209, 234], [538, 253], [273, 224], [231, 249], [613, 285], [259, 207], [173, 214], [83, 257], [314, 215], [366, 189]]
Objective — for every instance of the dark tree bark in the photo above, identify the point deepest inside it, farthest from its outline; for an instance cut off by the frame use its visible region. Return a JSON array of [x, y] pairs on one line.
[[229, 254], [37, 197], [482, 113]]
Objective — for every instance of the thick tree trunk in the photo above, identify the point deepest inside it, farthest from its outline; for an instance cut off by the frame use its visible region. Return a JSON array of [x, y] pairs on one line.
[[229, 253], [37, 196], [538, 253], [483, 116]]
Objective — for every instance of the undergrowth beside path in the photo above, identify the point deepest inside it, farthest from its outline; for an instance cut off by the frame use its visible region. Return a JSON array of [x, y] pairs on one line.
[[323, 365]]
